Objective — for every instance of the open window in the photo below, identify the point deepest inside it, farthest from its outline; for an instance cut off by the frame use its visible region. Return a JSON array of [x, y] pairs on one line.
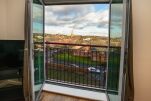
[[37, 46], [79, 43]]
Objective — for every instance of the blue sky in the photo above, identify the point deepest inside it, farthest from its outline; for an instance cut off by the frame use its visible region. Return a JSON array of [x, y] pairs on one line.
[[101, 6], [84, 19]]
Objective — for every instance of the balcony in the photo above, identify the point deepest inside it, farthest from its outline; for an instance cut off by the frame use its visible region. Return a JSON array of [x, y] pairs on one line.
[[75, 64], [79, 65]]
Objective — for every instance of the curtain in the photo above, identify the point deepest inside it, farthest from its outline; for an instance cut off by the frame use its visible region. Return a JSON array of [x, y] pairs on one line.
[[129, 86], [26, 69]]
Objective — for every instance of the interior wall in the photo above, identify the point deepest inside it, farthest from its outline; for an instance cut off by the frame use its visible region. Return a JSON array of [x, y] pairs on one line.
[[3, 16], [12, 18], [142, 49]]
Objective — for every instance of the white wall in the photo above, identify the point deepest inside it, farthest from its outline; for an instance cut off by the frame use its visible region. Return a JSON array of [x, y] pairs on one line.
[[12, 18], [3, 19], [142, 49]]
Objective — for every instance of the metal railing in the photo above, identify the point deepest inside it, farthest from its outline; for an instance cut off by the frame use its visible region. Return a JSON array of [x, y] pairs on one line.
[[76, 64]]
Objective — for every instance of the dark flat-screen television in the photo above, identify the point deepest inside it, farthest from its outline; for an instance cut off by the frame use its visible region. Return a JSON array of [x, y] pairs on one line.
[[11, 53]]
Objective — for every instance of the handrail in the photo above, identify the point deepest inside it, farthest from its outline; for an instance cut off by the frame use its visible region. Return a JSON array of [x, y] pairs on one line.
[[73, 44]]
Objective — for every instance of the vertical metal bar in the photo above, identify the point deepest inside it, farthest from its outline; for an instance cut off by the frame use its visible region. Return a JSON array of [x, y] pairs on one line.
[[91, 71], [71, 72], [68, 66], [95, 73], [39, 67], [79, 70], [100, 74], [64, 70], [71, 62], [117, 67], [59, 62], [96, 68], [54, 62], [113, 71], [104, 70], [47, 63], [75, 68], [83, 70], [87, 73], [57, 65], [50, 64]]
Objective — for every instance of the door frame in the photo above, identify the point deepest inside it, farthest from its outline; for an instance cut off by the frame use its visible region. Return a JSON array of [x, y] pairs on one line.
[[121, 75]]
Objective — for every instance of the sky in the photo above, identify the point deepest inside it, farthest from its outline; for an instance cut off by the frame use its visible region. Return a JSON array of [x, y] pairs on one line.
[[84, 19]]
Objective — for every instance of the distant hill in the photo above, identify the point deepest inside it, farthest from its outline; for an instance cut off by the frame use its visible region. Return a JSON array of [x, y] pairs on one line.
[[77, 39]]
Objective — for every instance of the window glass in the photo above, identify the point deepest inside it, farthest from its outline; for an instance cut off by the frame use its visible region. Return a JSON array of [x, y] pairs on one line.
[[38, 45], [116, 23]]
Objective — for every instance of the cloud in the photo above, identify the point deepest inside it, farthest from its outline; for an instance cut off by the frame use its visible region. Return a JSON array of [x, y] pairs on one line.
[[76, 10], [82, 19], [98, 19], [65, 14]]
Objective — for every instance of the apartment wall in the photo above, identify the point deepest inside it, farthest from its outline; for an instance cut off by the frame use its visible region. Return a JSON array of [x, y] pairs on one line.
[[3, 19], [142, 49], [12, 18]]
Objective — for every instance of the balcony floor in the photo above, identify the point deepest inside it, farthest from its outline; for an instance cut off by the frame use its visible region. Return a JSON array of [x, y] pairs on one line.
[[71, 92], [47, 96]]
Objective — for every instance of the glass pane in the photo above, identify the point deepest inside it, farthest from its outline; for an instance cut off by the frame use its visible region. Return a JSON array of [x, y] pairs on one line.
[[38, 43], [115, 50]]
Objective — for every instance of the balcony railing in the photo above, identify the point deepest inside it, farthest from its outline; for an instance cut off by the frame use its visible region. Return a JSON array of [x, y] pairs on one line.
[[77, 64]]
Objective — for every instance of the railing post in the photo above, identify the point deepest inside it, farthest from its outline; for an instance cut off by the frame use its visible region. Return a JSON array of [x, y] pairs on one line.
[[46, 62]]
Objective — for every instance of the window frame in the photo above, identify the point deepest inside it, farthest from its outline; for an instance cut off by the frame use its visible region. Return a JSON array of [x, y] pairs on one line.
[[121, 75]]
